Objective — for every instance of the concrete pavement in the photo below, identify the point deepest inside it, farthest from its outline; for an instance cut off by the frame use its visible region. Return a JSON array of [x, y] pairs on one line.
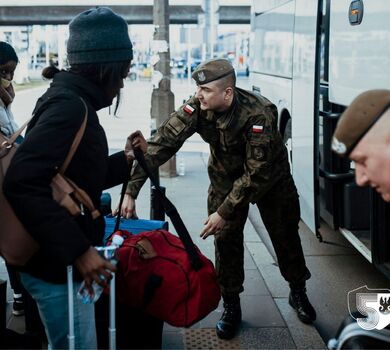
[[268, 321]]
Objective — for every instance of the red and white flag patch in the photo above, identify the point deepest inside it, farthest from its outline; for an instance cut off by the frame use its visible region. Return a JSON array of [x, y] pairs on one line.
[[188, 109], [257, 129]]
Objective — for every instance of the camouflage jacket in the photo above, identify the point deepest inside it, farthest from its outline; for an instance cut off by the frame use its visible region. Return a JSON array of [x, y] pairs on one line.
[[247, 155]]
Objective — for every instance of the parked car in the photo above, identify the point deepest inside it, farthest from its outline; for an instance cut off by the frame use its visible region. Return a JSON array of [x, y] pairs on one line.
[[177, 67], [195, 63], [140, 70]]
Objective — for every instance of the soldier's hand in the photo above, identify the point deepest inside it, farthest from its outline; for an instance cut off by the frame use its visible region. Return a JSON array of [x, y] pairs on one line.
[[214, 224], [135, 140], [138, 141], [128, 208]]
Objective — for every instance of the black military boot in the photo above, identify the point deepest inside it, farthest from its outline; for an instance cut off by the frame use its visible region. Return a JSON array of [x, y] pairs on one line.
[[299, 301], [228, 325]]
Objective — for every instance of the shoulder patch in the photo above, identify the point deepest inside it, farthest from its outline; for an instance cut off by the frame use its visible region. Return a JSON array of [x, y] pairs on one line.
[[257, 129], [188, 109]]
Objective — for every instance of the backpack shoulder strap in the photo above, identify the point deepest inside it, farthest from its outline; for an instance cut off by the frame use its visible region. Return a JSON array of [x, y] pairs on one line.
[[76, 140]]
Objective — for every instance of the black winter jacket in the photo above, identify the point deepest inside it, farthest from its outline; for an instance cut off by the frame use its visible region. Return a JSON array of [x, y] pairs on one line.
[[58, 116]]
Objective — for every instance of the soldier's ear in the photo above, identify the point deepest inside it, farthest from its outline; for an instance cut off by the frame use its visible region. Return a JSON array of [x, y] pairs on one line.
[[228, 92]]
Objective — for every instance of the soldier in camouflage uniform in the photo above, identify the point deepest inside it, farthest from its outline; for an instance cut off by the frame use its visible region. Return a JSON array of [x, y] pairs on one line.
[[248, 164]]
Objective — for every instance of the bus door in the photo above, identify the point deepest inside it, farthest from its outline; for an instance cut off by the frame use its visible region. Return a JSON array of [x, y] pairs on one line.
[[305, 83], [380, 216], [358, 60], [334, 172]]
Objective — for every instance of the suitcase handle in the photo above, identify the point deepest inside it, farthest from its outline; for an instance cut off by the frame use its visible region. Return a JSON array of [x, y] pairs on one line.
[[170, 210]]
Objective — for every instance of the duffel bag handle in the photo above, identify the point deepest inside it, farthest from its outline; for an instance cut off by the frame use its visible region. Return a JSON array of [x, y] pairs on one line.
[[173, 214]]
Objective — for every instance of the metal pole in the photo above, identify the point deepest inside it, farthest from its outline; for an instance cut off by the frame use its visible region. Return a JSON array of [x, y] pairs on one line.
[[206, 6], [47, 44], [3, 307], [162, 96], [189, 59], [112, 326], [71, 337], [210, 9]]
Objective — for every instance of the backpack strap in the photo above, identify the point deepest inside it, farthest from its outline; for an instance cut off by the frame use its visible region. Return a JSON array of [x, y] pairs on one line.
[[76, 140]]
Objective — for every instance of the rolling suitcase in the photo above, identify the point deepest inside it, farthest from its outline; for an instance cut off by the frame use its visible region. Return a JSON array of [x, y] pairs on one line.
[[146, 330], [132, 225], [112, 323]]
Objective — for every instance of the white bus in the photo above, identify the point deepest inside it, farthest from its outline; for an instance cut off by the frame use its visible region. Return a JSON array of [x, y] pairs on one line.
[[311, 58]]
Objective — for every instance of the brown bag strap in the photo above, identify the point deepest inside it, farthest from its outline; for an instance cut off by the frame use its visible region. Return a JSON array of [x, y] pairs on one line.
[[84, 199], [76, 140], [14, 136]]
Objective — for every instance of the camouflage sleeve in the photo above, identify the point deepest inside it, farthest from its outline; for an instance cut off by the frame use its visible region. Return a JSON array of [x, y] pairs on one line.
[[258, 175], [168, 139]]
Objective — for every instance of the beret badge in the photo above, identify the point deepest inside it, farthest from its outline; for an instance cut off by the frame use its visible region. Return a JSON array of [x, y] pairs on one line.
[[201, 76], [338, 146]]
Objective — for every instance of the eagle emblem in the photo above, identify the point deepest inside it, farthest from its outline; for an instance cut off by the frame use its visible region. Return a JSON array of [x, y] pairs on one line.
[[201, 76]]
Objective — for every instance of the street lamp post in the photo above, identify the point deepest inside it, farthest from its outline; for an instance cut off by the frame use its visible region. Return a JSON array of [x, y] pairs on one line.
[[162, 96]]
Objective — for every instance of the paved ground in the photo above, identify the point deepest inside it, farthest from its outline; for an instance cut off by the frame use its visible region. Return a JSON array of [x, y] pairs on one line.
[[268, 320]]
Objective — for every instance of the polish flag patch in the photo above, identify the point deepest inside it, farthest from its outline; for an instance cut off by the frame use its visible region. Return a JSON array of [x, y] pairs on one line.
[[188, 109], [257, 129]]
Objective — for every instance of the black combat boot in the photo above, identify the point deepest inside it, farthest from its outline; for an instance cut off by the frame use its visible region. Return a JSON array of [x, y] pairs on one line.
[[299, 301], [228, 325]]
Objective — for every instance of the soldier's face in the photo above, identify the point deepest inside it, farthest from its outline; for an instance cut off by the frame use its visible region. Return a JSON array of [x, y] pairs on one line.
[[372, 159], [212, 97]]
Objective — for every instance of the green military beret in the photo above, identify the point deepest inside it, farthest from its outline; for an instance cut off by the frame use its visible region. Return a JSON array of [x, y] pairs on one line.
[[358, 118], [211, 70]]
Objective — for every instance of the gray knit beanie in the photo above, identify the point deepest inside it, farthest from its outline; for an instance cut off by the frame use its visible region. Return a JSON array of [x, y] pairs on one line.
[[98, 35]]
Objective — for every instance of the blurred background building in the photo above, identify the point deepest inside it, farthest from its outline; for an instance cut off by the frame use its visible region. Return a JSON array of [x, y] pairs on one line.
[[40, 45]]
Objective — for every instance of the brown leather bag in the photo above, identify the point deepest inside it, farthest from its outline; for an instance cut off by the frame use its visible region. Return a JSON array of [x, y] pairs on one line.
[[17, 246]]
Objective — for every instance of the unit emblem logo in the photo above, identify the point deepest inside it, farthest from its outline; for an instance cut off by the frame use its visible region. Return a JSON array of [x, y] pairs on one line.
[[372, 304]]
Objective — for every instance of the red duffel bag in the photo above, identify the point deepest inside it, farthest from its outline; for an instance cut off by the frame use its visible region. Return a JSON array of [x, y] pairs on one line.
[[155, 275], [164, 275]]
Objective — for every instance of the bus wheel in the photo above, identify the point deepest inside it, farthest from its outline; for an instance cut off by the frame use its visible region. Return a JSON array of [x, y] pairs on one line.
[[287, 140]]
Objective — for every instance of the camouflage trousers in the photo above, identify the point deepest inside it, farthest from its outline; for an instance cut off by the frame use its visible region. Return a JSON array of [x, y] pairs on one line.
[[281, 214]]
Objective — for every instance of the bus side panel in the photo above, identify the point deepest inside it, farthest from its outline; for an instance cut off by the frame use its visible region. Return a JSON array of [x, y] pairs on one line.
[[272, 50], [359, 55], [303, 114], [273, 41], [276, 89]]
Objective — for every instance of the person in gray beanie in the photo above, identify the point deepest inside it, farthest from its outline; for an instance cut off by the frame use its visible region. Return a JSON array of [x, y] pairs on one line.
[[100, 54]]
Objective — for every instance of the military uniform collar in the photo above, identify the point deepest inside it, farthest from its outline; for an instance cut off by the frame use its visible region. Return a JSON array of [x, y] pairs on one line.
[[224, 120], [210, 115]]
